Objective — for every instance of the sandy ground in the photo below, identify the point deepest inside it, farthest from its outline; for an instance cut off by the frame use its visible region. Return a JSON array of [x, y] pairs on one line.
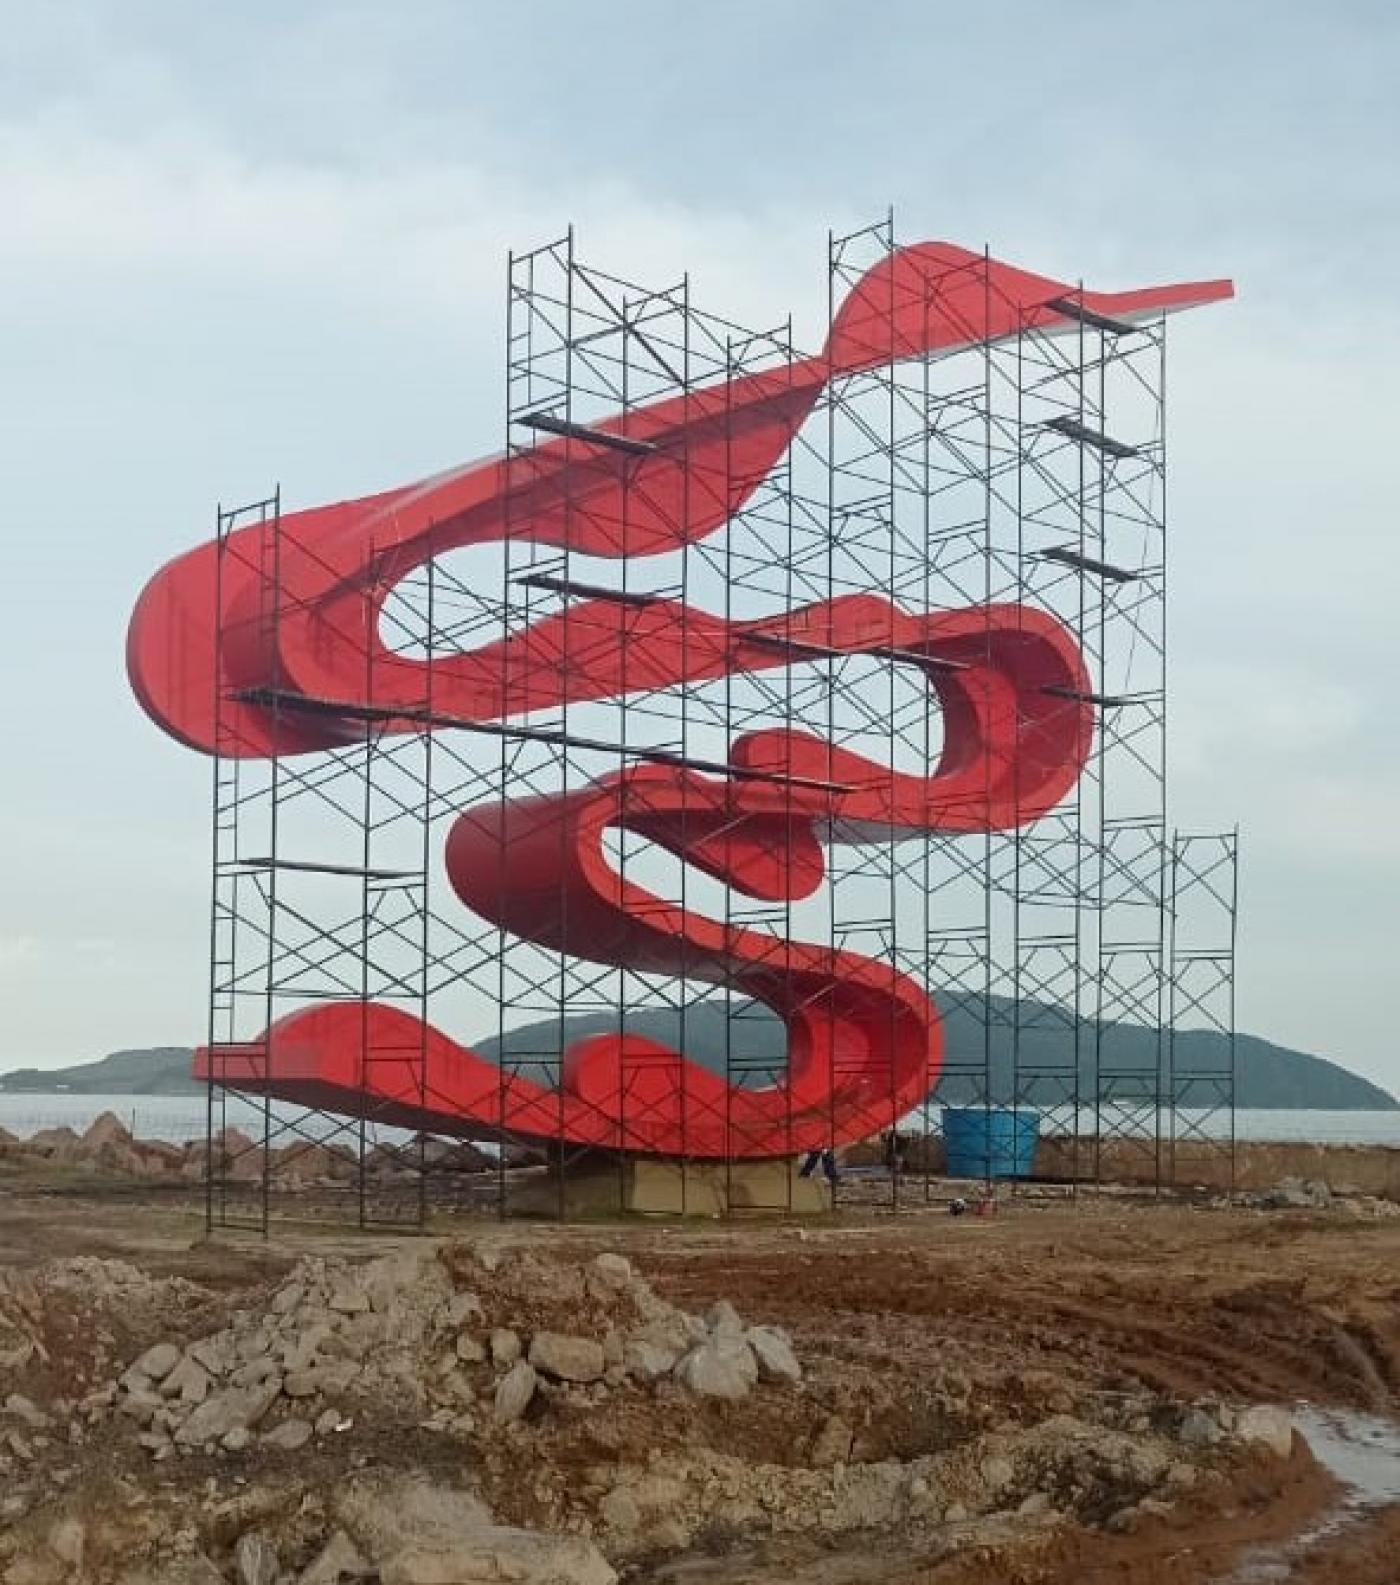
[[1036, 1312]]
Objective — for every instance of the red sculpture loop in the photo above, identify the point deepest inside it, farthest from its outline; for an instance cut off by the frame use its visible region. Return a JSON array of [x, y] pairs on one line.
[[864, 1041]]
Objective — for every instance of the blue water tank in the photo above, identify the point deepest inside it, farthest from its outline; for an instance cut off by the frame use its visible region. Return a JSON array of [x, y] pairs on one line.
[[989, 1142]]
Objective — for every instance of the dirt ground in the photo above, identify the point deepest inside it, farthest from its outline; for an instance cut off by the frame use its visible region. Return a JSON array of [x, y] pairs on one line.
[[921, 1333]]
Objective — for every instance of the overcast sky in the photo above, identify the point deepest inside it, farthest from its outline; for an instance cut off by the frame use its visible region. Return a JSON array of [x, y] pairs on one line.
[[259, 243]]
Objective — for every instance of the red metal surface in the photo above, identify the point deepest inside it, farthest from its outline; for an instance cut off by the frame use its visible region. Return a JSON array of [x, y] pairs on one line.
[[864, 1041]]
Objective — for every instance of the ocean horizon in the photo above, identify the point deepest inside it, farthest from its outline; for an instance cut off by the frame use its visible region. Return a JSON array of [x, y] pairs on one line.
[[178, 1118]]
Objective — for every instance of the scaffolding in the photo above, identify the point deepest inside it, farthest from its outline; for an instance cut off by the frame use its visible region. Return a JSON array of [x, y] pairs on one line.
[[1064, 954], [1086, 502]]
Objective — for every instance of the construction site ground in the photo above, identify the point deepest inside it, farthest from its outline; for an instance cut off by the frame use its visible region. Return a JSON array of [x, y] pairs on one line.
[[1031, 1398]]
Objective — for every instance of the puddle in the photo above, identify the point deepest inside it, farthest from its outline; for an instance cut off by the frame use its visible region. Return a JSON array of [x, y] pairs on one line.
[[1363, 1452]]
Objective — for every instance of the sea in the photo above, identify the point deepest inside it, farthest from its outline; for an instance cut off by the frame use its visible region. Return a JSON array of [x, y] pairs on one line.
[[178, 1118]]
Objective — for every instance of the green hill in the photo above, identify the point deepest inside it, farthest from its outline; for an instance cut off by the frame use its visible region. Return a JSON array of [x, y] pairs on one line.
[[1267, 1076], [156, 1070]]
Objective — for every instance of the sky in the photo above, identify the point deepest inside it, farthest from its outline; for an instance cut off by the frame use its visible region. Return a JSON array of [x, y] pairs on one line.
[[266, 243]]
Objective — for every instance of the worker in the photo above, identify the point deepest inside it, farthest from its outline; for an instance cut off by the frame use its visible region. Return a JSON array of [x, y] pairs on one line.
[[826, 1160]]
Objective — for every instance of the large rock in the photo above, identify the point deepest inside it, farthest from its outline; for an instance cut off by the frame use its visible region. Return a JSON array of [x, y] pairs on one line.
[[290, 1296], [215, 1353], [55, 1144], [289, 1436], [123, 1161], [1295, 1194], [459, 1309], [339, 1556], [142, 1404], [773, 1351], [302, 1349], [387, 1514], [497, 1553], [349, 1299], [189, 1381], [157, 1363], [613, 1271], [668, 1327], [108, 1129], [330, 1376], [155, 1158], [505, 1346], [235, 1156], [1267, 1425], [307, 1162], [515, 1390], [723, 1320], [263, 1368], [470, 1350], [567, 1358], [359, 1337], [725, 1367], [648, 1361], [1199, 1429], [234, 1409]]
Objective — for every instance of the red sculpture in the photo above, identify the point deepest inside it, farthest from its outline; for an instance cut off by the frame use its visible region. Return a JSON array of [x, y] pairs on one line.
[[864, 1041]]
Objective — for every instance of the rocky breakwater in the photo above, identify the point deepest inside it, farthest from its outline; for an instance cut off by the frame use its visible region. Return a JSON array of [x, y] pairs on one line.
[[107, 1148]]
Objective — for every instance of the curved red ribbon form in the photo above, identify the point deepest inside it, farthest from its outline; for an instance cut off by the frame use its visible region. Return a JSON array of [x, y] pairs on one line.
[[864, 1042]]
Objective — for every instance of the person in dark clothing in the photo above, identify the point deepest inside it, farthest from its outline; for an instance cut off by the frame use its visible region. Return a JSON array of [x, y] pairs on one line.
[[825, 1159]]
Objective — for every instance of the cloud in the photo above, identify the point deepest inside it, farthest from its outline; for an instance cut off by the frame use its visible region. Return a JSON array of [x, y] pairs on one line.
[[16, 952], [268, 243]]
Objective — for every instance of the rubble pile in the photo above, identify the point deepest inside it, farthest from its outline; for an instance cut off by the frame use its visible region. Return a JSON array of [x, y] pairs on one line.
[[485, 1412], [1312, 1194], [461, 1340]]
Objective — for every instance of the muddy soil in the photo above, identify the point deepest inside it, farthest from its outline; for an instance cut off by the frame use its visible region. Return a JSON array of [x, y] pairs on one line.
[[1368, 1554], [929, 1338], [1265, 1307]]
